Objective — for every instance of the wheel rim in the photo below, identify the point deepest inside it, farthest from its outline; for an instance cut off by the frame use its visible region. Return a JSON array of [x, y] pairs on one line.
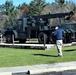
[[9, 39]]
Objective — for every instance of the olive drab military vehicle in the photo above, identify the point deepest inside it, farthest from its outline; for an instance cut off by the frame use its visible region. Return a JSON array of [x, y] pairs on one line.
[[38, 27]]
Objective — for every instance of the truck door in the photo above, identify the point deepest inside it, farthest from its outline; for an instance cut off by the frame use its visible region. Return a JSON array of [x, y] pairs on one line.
[[20, 29], [20, 25]]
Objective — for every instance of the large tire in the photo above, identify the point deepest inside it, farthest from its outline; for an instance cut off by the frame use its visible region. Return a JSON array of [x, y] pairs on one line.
[[43, 38], [9, 38], [67, 39]]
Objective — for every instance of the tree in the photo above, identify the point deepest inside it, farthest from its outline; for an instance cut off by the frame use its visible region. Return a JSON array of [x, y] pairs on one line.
[[61, 2], [10, 11], [8, 7], [21, 6], [22, 10], [36, 6], [2, 8]]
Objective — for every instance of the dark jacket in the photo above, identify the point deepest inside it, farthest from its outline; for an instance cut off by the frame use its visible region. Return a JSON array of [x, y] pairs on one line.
[[58, 34]]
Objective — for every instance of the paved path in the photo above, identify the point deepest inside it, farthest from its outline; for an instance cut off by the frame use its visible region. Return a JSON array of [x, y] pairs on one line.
[[36, 69]]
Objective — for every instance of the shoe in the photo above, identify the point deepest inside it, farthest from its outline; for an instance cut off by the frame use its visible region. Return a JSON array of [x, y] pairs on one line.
[[60, 55]]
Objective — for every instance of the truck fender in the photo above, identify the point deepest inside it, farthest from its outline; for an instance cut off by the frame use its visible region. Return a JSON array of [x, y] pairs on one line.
[[15, 33]]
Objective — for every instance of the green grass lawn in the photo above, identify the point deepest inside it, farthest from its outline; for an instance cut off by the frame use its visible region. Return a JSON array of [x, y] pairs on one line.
[[22, 57]]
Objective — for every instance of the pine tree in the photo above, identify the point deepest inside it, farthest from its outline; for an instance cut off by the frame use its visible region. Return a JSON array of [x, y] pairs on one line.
[[36, 6]]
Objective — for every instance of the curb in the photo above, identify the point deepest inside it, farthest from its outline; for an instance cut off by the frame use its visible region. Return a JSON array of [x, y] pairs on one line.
[[40, 71], [5, 73], [34, 46], [10, 73]]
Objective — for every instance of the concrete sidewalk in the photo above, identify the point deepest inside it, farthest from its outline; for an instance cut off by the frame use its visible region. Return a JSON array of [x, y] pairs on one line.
[[37, 69]]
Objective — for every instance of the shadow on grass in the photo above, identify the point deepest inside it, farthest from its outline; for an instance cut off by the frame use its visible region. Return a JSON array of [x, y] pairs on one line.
[[70, 50], [45, 55]]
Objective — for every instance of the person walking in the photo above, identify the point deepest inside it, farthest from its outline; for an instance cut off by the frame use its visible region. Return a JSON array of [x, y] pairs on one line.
[[58, 34]]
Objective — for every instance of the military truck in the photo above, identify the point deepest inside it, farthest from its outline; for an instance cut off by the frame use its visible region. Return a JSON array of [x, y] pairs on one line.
[[36, 27]]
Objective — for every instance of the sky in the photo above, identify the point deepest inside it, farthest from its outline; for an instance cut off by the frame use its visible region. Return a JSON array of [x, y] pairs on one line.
[[17, 2]]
